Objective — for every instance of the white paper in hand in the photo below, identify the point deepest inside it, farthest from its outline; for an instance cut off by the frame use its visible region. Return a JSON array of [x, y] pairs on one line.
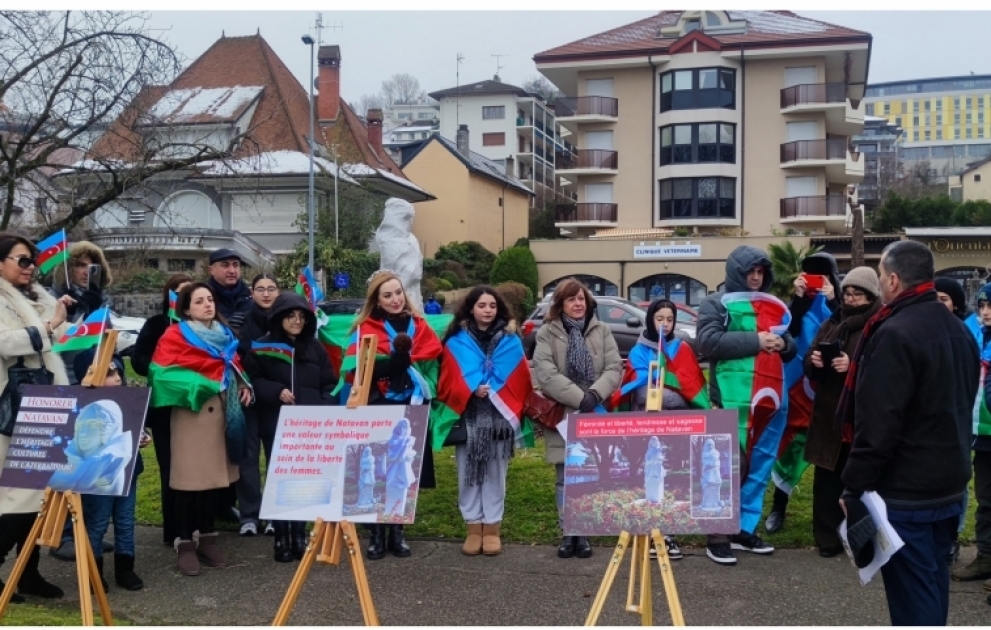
[[887, 542]]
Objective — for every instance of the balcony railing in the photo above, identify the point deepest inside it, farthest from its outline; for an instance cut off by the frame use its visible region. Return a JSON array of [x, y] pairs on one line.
[[831, 149], [586, 212], [589, 158], [812, 93], [586, 106], [816, 206]]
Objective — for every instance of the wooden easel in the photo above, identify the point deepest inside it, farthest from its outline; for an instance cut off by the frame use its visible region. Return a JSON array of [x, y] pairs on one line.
[[56, 507], [640, 564], [328, 540]]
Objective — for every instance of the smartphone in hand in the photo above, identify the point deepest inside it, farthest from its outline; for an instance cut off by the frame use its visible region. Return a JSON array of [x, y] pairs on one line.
[[829, 351]]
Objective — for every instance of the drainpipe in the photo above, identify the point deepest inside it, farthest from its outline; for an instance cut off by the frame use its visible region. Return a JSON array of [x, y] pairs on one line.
[[653, 139], [743, 133], [622, 278]]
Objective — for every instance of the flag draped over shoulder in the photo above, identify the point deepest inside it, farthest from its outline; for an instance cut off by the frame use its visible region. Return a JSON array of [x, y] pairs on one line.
[[791, 462], [682, 374], [755, 387], [425, 356], [53, 251], [982, 417], [464, 367], [335, 334], [184, 373], [85, 335]]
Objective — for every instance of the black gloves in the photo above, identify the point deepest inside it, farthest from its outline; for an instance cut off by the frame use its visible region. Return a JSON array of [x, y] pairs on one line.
[[589, 402], [860, 529]]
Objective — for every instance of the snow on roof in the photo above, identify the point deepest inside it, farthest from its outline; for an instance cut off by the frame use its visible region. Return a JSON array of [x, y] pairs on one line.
[[774, 22], [273, 163], [198, 104], [364, 170]]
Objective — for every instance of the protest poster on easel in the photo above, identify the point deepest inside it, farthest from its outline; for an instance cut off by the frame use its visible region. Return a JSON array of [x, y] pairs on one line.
[[361, 465], [677, 471]]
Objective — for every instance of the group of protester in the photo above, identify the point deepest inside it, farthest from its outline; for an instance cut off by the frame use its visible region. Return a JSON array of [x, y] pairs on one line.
[[871, 347]]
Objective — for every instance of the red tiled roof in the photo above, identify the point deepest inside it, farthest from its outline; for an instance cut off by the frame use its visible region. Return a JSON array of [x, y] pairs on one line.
[[763, 28]]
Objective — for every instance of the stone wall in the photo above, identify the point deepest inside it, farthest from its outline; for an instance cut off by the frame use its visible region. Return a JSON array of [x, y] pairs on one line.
[[137, 304]]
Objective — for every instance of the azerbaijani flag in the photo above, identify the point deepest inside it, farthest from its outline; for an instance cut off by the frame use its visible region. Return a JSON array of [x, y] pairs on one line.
[[85, 335], [425, 356], [681, 374], [465, 368], [185, 372], [335, 333], [173, 300], [791, 462], [755, 387], [982, 417], [307, 286], [274, 350], [54, 251]]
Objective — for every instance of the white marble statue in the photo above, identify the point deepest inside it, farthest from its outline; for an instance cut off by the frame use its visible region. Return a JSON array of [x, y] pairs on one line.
[[712, 478], [399, 475], [399, 249], [366, 479], [653, 471]]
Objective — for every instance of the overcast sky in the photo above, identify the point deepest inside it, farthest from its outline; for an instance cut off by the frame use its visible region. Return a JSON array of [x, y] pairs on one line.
[[375, 45]]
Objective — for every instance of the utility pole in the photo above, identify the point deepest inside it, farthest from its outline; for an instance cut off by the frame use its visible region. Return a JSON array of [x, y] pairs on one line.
[[457, 98], [498, 66]]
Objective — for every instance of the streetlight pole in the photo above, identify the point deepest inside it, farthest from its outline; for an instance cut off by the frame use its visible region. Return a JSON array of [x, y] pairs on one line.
[[309, 196], [337, 232]]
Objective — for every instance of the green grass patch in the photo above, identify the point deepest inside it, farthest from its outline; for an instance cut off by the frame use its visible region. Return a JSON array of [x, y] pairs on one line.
[[50, 615]]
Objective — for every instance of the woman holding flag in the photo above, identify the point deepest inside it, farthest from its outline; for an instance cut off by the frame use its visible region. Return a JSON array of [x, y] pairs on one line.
[[288, 366], [30, 321], [484, 384], [196, 371], [406, 368]]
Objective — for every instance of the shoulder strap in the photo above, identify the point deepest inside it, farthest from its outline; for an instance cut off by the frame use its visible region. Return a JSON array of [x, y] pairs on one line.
[[35, 338]]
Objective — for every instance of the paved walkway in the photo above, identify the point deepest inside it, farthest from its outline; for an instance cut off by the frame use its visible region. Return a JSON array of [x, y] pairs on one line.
[[526, 585]]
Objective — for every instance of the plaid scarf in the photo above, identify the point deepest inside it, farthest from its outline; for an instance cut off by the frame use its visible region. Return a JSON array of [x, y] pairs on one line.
[[847, 404], [581, 370]]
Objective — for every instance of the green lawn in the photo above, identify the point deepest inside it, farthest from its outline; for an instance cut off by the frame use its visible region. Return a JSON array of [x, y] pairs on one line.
[[50, 615]]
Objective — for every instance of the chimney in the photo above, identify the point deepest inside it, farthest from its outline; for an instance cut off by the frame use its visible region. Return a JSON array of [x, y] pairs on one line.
[[510, 171], [462, 141], [329, 83], [374, 118]]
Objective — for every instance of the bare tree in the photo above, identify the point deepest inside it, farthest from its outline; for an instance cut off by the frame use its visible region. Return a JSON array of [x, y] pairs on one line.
[[538, 84], [367, 102], [401, 88]]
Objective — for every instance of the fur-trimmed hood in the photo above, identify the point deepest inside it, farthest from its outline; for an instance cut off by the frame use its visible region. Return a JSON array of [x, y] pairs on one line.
[[85, 248]]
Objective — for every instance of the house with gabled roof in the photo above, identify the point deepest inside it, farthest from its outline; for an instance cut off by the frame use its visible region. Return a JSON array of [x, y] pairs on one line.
[[238, 100]]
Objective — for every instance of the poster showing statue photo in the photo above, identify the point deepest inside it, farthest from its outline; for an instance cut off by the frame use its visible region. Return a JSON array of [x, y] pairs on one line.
[[635, 472], [78, 439], [335, 463]]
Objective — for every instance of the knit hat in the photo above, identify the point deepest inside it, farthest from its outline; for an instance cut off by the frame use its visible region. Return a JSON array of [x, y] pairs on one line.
[[863, 278], [953, 289], [984, 295]]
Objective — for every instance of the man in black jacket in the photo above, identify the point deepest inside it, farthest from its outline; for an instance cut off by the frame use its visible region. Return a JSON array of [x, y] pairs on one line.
[[916, 374], [233, 295]]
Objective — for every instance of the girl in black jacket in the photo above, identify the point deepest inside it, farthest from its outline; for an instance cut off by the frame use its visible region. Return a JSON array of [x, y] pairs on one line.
[[306, 379]]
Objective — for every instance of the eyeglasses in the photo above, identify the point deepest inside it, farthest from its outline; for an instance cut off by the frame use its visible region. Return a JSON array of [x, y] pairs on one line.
[[266, 289], [854, 294], [297, 316], [24, 262]]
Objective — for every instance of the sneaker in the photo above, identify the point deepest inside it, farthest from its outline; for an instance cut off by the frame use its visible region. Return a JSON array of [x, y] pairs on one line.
[[979, 569], [750, 542], [249, 529], [269, 529], [65, 552], [674, 552], [721, 554]]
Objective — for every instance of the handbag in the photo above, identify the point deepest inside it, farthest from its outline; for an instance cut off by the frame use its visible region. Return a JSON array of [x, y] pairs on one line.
[[458, 434], [19, 375], [543, 411]]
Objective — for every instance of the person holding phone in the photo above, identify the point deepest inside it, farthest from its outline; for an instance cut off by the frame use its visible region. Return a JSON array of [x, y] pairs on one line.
[[826, 366]]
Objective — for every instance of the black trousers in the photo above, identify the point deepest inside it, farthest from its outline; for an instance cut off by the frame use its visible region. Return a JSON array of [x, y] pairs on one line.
[[197, 510], [160, 423], [827, 487], [14, 530]]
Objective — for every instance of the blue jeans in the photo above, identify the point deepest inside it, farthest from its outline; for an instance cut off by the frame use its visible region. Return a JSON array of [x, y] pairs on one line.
[[917, 578], [99, 510]]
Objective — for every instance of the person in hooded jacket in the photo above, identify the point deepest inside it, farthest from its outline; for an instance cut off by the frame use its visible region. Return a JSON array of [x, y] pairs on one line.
[[748, 269], [825, 449], [307, 378]]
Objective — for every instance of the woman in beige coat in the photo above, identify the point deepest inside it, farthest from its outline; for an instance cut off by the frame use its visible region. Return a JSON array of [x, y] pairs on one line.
[[23, 305], [577, 364]]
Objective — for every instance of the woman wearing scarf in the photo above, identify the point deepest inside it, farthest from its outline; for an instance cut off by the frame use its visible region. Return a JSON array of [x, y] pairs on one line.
[[405, 373], [578, 365], [825, 447], [196, 371], [484, 385]]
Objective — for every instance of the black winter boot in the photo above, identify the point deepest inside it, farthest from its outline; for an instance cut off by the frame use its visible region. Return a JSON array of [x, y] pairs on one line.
[[299, 538], [15, 599], [776, 519], [99, 571], [397, 542], [124, 573], [31, 582], [283, 551], [376, 542]]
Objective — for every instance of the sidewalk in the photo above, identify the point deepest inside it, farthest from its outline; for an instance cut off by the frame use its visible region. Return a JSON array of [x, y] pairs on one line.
[[526, 585]]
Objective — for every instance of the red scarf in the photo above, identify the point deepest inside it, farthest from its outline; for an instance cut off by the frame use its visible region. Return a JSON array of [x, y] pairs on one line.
[[847, 404]]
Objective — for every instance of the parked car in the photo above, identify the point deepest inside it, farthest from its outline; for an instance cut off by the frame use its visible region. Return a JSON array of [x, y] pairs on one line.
[[625, 318], [342, 306], [129, 328]]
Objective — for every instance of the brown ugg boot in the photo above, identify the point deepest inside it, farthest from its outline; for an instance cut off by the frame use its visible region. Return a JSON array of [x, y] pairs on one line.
[[473, 543], [491, 544], [209, 552], [187, 561]]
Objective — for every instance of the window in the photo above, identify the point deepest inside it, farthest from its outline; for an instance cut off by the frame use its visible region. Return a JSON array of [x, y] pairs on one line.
[[927, 105], [887, 109], [960, 150], [915, 121], [969, 101], [956, 118], [698, 143], [403, 115], [424, 115], [939, 104], [915, 135], [915, 107], [969, 133], [939, 134], [493, 139], [869, 109], [968, 118], [898, 121], [980, 132], [977, 178], [942, 152], [980, 117], [956, 103], [921, 153], [956, 133], [698, 89], [939, 119], [927, 135], [493, 112], [698, 197]]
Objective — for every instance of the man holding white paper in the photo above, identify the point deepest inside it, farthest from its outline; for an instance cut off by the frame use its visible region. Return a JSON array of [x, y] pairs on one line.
[[908, 403]]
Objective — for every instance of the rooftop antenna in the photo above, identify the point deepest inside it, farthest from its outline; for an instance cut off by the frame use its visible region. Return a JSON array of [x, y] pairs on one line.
[[319, 28], [498, 66], [457, 96]]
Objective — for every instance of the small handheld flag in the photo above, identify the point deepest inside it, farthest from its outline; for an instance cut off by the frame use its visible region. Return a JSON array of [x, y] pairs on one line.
[[275, 350], [307, 286], [173, 300], [85, 335], [54, 251]]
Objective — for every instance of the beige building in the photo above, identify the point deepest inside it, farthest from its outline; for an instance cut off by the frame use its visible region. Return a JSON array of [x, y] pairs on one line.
[[974, 183], [698, 131], [478, 199]]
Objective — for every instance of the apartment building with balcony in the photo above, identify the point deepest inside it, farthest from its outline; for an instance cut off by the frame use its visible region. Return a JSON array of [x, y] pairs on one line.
[[946, 120], [878, 142], [696, 132], [507, 122]]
